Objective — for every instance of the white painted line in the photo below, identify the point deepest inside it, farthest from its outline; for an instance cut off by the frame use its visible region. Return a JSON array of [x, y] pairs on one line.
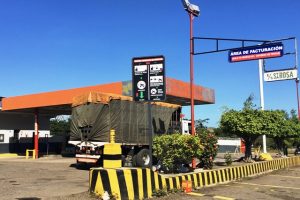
[[286, 176], [196, 194], [223, 198], [273, 186]]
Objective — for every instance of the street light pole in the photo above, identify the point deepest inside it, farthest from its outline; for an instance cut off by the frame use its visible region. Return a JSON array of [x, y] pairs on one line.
[[193, 11], [192, 82], [192, 74]]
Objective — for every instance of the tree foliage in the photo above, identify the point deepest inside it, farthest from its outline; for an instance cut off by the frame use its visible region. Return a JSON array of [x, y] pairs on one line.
[[248, 104], [200, 125], [288, 127], [250, 122], [244, 123], [60, 127]]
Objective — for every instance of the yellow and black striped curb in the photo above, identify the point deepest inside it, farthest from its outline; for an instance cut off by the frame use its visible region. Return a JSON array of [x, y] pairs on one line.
[[130, 183], [136, 183]]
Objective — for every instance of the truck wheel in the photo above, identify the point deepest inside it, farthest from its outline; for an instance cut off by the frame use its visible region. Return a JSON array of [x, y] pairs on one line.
[[143, 158], [123, 160], [134, 161]]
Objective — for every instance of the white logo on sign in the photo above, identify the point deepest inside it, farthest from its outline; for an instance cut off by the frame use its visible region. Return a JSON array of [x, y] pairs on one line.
[[140, 68], [141, 85], [156, 79], [153, 91], [156, 67]]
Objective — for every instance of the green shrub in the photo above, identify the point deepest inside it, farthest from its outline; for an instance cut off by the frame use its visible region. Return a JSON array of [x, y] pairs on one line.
[[175, 150], [209, 141], [228, 158]]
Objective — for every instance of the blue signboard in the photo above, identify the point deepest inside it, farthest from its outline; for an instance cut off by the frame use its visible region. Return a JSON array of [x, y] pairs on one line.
[[272, 50]]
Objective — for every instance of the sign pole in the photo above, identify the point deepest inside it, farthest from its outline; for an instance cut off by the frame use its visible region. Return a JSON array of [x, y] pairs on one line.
[[262, 100], [150, 132], [297, 79], [297, 92]]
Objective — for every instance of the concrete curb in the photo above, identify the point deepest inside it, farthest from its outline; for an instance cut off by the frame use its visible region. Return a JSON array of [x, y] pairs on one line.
[[8, 155], [136, 183]]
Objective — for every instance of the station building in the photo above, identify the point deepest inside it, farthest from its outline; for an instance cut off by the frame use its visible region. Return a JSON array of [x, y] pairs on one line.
[[22, 116], [17, 129]]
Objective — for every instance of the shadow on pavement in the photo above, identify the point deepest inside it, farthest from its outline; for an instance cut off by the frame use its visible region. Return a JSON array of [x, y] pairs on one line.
[[81, 166]]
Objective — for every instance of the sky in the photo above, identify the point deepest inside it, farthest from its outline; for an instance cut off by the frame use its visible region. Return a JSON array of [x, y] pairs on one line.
[[60, 44]]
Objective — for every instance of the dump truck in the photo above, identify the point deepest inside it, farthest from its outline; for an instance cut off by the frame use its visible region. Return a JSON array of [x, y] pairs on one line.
[[95, 114]]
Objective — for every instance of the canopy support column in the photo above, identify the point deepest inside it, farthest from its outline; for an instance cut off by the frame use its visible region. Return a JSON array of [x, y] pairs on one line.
[[36, 133]]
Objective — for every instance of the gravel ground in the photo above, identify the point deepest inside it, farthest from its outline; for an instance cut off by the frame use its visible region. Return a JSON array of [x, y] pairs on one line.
[[56, 178], [80, 196], [41, 179]]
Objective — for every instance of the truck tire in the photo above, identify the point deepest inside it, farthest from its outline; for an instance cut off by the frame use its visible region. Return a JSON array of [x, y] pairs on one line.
[[123, 160], [143, 158], [134, 161]]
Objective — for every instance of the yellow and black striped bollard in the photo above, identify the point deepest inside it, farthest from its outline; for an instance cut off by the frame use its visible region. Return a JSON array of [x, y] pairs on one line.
[[112, 153]]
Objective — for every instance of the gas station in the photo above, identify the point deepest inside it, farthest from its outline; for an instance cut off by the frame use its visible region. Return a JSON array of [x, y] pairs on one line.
[[50, 104]]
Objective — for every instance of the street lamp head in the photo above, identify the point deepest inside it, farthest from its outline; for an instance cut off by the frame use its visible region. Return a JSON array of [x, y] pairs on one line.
[[191, 8]]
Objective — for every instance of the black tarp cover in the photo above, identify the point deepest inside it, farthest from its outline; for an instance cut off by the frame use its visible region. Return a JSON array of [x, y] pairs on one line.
[[92, 120]]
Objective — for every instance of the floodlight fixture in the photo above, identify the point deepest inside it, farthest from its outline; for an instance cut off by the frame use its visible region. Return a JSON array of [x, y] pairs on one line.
[[191, 8]]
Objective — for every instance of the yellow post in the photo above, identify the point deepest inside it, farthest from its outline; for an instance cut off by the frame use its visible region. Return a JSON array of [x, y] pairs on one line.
[[112, 136], [27, 153], [112, 153]]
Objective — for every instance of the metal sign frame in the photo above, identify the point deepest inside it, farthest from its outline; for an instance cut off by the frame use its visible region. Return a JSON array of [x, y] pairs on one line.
[[243, 41]]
